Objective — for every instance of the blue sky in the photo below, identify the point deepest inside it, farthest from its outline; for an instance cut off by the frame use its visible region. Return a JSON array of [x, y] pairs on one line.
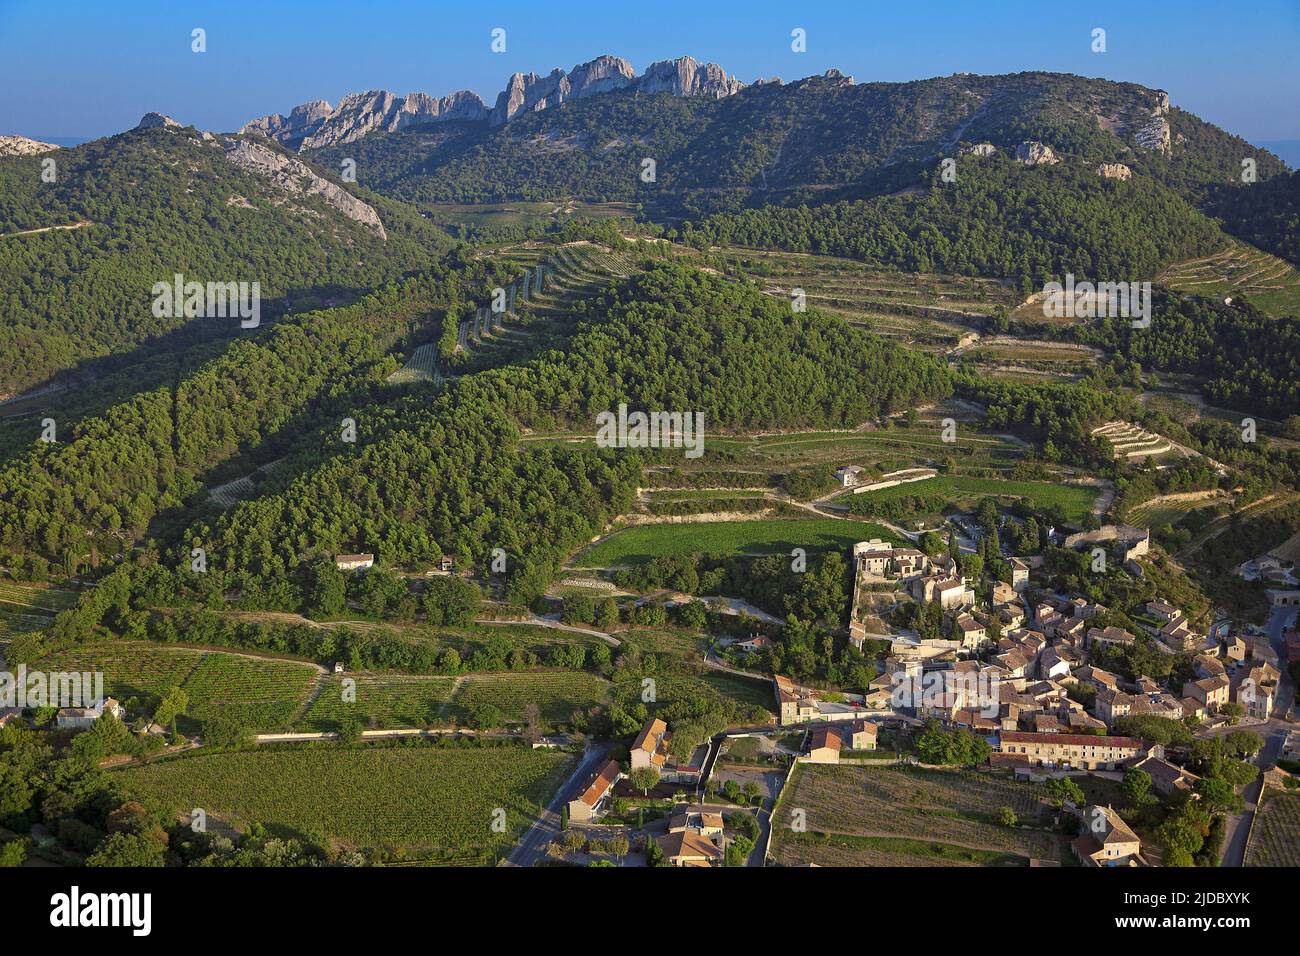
[[81, 68]]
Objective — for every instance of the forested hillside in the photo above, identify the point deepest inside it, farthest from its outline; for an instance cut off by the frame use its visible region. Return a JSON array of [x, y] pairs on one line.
[[1248, 360], [152, 203], [107, 477], [999, 218], [451, 479]]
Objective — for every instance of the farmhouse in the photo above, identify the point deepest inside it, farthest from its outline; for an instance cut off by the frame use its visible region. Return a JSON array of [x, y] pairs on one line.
[[1068, 751], [353, 562], [862, 735], [1106, 839], [756, 643], [824, 746], [696, 819], [79, 718], [650, 749], [592, 800], [689, 848]]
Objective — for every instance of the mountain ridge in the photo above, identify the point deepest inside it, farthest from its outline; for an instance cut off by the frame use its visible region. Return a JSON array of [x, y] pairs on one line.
[[316, 124]]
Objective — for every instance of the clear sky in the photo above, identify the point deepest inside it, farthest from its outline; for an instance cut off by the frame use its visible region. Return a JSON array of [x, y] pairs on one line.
[[92, 67]]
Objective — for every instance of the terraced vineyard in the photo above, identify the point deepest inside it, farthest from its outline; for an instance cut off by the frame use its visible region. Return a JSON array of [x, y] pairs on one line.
[[437, 802], [1269, 283], [758, 460], [1133, 441], [579, 269], [926, 310], [1275, 840], [130, 668], [908, 816]]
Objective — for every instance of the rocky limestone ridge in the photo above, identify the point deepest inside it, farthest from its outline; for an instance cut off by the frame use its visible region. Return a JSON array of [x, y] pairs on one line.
[[314, 125], [527, 92], [301, 122], [360, 114], [22, 146], [979, 149], [1114, 171], [157, 121], [1036, 154], [295, 178]]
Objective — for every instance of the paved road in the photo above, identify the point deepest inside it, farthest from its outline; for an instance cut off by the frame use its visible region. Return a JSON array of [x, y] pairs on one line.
[[531, 848], [1237, 829]]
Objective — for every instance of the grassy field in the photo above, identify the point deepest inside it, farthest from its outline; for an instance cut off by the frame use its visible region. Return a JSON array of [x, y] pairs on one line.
[[1276, 838], [1241, 271], [1074, 501], [421, 799], [720, 688], [909, 816], [644, 542]]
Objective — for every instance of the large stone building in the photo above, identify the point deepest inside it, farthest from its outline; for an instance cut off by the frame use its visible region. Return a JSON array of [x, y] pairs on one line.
[[1066, 751]]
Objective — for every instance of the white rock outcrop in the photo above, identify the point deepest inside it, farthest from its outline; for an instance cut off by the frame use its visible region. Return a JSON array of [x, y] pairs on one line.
[[1033, 153], [157, 121], [295, 178], [979, 149], [1114, 171], [22, 146]]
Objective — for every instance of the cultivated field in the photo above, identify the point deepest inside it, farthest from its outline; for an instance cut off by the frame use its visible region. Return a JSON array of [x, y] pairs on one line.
[[909, 816], [266, 694], [1074, 501], [644, 542], [15, 595], [926, 310], [557, 693], [423, 799], [382, 701], [1276, 837], [1269, 283], [422, 366]]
